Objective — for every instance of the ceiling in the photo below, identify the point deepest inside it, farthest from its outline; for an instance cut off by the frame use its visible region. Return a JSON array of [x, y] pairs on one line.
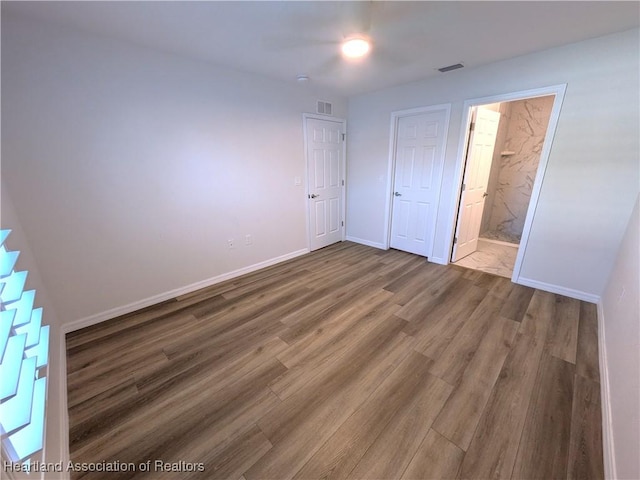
[[283, 39]]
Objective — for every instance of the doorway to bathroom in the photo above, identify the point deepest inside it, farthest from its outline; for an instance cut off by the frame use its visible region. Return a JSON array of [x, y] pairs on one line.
[[504, 145]]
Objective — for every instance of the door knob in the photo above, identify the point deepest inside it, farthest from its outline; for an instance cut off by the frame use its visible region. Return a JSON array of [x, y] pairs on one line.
[[485, 194], [397, 194], [313, 195]]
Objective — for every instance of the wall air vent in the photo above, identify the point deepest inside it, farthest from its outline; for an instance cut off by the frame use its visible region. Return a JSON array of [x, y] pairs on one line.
[[325, 108], [451, 67]]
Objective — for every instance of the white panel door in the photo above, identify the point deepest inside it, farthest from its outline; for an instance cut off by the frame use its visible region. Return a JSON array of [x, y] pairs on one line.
[[324, 167], [476, 176], [419, 157]]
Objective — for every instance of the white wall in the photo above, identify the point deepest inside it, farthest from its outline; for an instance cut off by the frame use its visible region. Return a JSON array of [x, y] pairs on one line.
[[130, 169], [592, 176], [56, 448], [620, 330]]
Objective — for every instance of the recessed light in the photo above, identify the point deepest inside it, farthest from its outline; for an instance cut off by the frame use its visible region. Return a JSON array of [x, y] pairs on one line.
[[355, 47], [302, 78]]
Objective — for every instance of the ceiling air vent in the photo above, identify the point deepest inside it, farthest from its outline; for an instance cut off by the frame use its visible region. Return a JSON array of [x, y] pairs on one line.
[[324, 108], [451, 67]]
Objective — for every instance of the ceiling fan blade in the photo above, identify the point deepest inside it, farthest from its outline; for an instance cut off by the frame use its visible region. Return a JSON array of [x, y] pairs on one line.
[[391, 57], [355, 17], [327, 67]]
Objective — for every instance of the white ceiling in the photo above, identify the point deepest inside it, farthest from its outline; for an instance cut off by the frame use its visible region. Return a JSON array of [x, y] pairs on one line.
[[282, 39]]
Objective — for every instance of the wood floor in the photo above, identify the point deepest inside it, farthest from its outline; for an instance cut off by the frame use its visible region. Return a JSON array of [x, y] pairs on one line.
[[349, 362]]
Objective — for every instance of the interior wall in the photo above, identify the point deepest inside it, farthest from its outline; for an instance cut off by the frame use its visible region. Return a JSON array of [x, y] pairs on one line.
[[620, 328], [130, 169], [591, 179]]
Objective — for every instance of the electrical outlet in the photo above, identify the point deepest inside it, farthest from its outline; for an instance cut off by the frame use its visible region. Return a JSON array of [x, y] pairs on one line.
[[248, 240], [231, 243]]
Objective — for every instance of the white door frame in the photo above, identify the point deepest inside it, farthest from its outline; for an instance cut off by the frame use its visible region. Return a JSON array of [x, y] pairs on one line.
[[558, 91], [391, 168], [343, 173]]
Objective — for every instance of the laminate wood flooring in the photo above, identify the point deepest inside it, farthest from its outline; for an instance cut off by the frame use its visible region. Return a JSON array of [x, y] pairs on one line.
[[350, 363]]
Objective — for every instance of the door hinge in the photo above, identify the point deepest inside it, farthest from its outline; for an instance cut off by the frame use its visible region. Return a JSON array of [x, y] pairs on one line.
[[455, 240], [342, 222], [344, 136], [472, 127], [464, 186], [343, 183]]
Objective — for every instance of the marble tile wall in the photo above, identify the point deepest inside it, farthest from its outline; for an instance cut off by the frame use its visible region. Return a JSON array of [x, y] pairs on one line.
[[526, 126]]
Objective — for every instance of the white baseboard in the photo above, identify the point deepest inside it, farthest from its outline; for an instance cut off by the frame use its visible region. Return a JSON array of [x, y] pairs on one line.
[[64, 412], [605, 400], [132, 307], [368, 243], [438, 260], [115, 312], [567, 292]]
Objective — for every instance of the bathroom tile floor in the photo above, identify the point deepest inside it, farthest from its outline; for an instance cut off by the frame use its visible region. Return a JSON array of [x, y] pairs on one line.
[[491, 257]]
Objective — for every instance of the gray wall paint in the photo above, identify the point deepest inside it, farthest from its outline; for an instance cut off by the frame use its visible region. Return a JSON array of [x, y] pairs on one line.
[[130, 169], [620, 329], [592, 176]]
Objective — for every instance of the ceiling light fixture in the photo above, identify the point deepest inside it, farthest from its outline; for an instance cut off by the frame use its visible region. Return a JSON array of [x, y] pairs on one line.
[[356, 47]]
